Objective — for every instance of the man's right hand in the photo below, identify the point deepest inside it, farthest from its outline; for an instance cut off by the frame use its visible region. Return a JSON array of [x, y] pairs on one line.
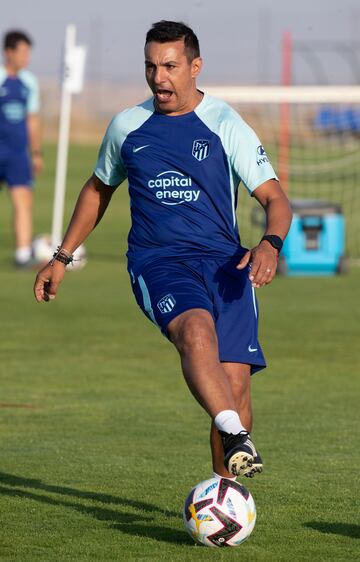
[[48, 280]]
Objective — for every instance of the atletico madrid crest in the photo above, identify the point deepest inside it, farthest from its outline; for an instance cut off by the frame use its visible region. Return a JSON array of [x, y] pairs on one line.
[[166, 304], [201, 149]]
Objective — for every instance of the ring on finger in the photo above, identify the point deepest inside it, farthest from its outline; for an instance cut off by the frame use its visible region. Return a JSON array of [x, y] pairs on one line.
[[268, 270]]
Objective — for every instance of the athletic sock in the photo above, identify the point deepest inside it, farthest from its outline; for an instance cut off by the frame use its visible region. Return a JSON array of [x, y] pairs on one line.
[[23, 254], [216, 475], [229, 422]]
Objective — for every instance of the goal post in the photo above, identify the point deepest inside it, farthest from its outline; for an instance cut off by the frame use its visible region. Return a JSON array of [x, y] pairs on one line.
[[323, 147]]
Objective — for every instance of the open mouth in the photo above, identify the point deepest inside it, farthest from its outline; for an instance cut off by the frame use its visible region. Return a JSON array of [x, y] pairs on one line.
[[163, 96]]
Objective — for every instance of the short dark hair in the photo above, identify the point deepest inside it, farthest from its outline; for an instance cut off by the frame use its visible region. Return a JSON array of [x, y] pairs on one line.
[[167, 31], [12, 38]]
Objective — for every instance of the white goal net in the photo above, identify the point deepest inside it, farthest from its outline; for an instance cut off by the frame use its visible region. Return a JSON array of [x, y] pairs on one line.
[[312, 136]]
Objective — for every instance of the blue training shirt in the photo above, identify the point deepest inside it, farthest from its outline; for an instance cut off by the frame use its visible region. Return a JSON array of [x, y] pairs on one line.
[[19, 95], [183, 173]]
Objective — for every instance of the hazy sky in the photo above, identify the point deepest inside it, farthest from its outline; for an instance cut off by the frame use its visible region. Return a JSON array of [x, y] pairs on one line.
[[240, 40]]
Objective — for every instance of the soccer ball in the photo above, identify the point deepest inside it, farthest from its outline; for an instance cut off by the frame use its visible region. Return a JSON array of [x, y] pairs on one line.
[[219, 512], [80, 259], [42, 251]]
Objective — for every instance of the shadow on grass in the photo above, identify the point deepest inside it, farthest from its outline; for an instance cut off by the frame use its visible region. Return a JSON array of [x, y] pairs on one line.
[[12, 480], [123, 521], [344, 529], [165, 534]]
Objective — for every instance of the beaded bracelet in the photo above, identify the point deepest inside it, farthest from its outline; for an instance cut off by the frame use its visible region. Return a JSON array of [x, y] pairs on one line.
[[62, 256]]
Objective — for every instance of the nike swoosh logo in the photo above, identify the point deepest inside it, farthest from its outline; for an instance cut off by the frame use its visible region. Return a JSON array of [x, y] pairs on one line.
[[140, 147], [252, 349]]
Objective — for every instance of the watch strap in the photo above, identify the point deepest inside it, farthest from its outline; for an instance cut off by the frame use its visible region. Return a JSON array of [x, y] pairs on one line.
[[274, 240]]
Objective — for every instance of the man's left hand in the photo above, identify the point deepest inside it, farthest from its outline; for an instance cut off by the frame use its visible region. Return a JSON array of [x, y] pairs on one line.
[[262, 261]]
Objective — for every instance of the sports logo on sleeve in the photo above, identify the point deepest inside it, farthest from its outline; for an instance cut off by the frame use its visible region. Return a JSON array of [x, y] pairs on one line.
[[262, 157], [201, 149]]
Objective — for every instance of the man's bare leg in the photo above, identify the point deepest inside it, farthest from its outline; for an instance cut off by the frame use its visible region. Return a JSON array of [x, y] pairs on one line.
[[21, 198], [193, 334], [239, 378]]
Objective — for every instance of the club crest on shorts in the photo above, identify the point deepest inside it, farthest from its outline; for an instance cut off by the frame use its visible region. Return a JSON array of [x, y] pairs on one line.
[[166, 304], [201, 149]]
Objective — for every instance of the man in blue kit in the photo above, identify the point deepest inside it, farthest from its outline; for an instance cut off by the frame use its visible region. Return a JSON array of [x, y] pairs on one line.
[[184, 154], [20, 144]]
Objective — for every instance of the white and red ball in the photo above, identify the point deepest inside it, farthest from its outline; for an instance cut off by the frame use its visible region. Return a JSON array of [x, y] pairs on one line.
[[219, 512]]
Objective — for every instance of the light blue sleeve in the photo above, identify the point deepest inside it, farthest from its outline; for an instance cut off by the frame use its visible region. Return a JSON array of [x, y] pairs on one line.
[[246, 154], [247, 159], [30, 81], [110, 168]]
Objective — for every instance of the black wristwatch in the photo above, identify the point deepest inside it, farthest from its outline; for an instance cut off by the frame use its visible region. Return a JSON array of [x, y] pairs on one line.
[[274, 240]]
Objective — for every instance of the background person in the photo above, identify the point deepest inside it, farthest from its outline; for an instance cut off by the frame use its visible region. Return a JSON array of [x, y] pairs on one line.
[[20, 143], [184, 154]]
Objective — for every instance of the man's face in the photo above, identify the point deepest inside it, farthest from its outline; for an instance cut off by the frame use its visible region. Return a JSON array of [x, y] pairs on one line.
[[171, 77], [19, 57]]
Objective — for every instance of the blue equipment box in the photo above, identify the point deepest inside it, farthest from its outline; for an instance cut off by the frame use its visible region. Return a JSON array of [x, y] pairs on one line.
[[315, 243]]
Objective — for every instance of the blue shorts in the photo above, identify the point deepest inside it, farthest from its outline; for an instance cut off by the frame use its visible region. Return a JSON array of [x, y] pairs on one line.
[[15, 168], [167, 288]]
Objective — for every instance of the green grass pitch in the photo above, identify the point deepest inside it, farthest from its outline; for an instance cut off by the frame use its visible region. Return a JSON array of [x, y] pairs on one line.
[[101, 441]]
